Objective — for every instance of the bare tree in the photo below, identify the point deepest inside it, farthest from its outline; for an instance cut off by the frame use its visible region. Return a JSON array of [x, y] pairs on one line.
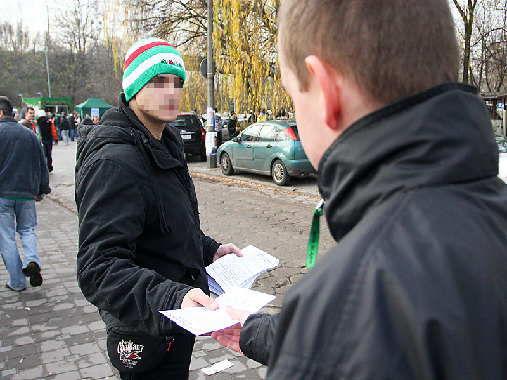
[[183, 20], [13, 39], [467, 13], [78, 28], [488, 65]]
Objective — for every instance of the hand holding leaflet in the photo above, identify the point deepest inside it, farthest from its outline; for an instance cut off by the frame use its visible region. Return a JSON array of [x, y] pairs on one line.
[[199, 320], [232, 271]]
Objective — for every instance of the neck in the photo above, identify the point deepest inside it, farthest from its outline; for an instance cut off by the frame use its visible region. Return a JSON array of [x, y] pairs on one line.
[[155, 126]]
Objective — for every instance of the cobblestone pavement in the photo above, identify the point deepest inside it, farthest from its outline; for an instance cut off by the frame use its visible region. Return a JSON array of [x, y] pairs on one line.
[[52, 332]]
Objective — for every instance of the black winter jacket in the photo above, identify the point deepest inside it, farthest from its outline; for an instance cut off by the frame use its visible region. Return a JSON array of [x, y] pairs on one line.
[[416, 287], [141, 248], [45, 128]]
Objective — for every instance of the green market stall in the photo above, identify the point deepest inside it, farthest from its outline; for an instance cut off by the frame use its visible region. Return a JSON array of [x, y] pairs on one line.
[[93, 107], [54, 105]]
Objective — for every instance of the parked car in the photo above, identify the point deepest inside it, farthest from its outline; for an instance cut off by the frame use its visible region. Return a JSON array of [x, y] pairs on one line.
[[192, 133], [502, 167], [268, 147], [502, 160]]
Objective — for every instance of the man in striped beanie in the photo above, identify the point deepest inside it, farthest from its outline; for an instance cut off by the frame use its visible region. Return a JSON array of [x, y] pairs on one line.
[[141, 248], [154, 73]]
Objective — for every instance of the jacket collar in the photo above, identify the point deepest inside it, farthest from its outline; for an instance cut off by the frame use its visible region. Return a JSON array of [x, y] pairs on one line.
[[8, 119], [121, 125], [441, 136], [170, 136]]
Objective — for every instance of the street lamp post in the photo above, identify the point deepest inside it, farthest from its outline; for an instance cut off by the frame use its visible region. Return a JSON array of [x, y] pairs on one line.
[[210, 137], [46, 51]]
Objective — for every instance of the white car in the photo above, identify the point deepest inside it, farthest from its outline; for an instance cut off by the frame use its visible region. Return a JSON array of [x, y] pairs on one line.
[[502, 167]]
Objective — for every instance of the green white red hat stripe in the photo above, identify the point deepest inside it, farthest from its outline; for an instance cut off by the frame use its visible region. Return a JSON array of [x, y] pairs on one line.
[[142, 46], [146, 59], [145, 65]]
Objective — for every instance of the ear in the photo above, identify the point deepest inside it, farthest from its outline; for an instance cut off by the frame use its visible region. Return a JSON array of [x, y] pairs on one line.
[[327, 80]]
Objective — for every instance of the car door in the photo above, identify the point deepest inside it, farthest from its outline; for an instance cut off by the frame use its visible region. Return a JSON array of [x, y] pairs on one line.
[[243, 151], [264, 147]]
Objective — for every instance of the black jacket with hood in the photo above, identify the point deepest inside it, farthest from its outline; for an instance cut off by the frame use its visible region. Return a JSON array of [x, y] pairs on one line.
[[416, 287], [141, 248]]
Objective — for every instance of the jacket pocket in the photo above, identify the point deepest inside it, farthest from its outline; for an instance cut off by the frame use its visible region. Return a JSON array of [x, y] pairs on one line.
[[135, 352]]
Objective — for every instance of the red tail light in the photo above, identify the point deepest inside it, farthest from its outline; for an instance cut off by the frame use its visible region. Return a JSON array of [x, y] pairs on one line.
[[203, 133], [289, 132]]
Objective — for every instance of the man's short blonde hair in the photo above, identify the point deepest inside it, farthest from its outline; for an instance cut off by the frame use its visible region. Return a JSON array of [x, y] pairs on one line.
[[390, 48]]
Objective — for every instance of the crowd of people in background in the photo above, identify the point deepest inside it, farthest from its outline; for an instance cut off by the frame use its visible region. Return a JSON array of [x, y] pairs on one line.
[[52, 127]]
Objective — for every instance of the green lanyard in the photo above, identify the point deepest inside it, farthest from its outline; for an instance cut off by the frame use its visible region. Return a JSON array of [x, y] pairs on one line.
[[313, 243]]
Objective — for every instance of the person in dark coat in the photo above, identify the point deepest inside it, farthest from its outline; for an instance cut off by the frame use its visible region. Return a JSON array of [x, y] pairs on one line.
[[141, 248], [72, 126], [416, 285], [46, 132], [87, 121], [57, 122], [65, 127]]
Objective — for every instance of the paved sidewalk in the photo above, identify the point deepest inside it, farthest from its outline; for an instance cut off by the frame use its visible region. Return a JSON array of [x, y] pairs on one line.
[[52, 332]]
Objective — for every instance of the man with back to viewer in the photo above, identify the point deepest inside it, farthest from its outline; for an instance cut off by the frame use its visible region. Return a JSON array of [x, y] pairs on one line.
[[141, 248], [24, 179], [415, 287]]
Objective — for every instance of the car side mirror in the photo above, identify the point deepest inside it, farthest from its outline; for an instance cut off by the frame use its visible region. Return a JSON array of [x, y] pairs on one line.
[[236, 139]]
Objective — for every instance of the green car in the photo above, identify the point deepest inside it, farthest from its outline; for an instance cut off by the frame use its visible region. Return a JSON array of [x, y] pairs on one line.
[[267, 147]]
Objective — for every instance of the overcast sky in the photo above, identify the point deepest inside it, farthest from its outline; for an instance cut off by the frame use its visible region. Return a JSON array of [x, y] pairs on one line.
[[33, 13]]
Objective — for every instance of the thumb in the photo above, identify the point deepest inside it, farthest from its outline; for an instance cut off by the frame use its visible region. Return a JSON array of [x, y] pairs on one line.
[[239, 315], [197, 297], [204, 300]]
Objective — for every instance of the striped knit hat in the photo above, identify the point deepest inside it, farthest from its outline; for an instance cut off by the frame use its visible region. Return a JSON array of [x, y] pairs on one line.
[[146, 59]]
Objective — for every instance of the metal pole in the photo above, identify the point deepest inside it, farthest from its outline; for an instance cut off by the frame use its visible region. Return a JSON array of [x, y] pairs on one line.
[[47, 48], [212, 158]]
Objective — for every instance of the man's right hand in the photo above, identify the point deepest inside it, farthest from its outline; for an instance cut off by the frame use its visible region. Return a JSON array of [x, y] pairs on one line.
[[196, 297]]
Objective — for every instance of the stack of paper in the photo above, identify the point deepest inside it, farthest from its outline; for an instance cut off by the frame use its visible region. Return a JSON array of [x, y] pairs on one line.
[[231, 271], [199, 320]]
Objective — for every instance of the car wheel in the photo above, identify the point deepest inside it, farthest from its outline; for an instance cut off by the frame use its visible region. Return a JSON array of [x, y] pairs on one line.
[[279, 173], [202, 155], [226, 164]]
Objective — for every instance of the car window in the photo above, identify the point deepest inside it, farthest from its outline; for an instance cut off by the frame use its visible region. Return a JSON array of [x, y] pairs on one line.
[[186, 122], [251, 133], [267, 132], [281, 136], [295, 130], [502, 143]]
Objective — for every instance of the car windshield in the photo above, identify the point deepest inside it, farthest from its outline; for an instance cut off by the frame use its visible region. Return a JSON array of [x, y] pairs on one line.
[[185, 121]]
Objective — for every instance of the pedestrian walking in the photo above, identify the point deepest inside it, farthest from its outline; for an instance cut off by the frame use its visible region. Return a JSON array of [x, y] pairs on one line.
[[415, 287], [24, 179], [48, 135], [65, 127], [141, 248], [57, 122], [72, 126], [218, 128]]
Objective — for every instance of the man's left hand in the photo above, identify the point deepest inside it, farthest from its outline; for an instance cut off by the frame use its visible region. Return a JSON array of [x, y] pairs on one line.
[[226, 249]]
